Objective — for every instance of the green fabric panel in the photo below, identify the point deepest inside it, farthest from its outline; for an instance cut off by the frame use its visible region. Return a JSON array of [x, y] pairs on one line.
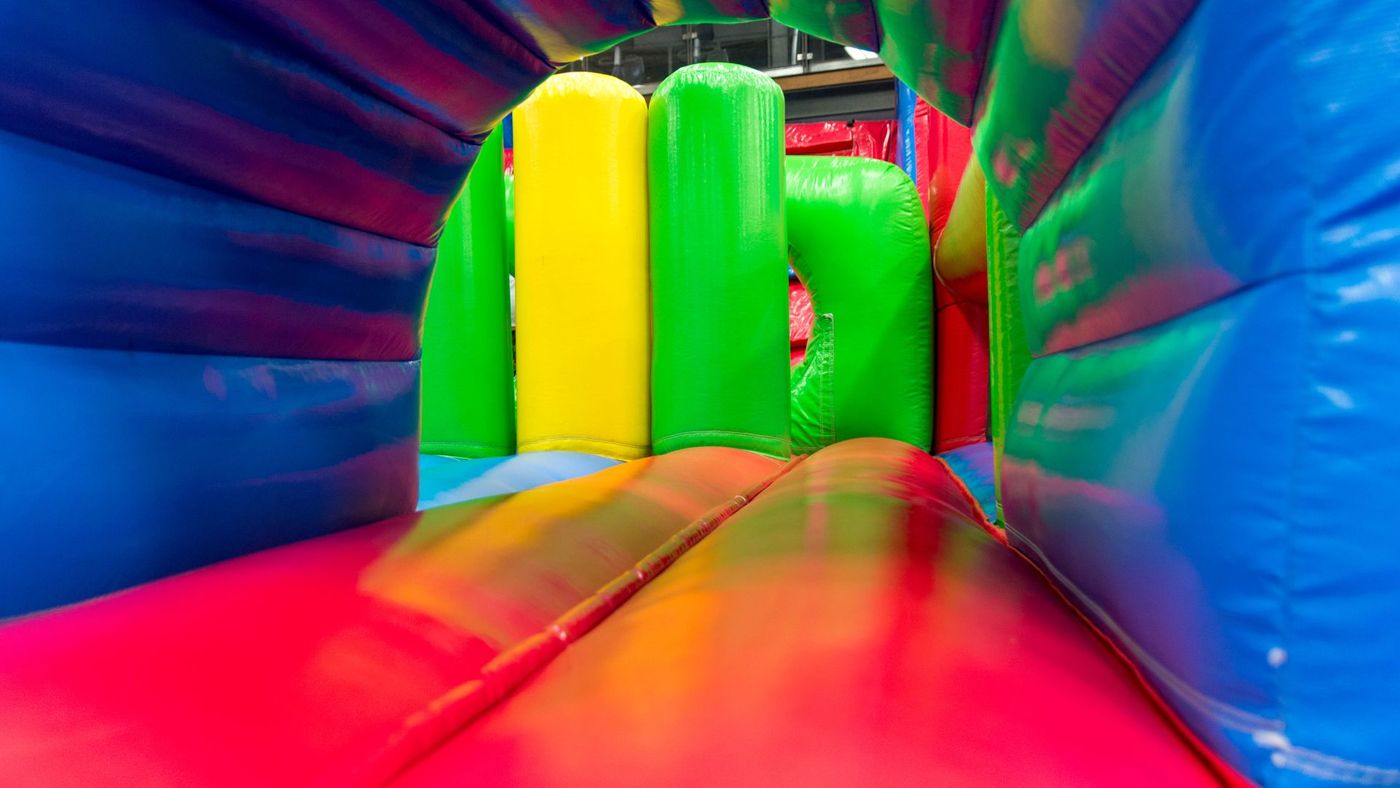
[[860, 245], [937, 48], [718, 261], [468, 375], [1057, 72], [846, 22], [1010, 355]]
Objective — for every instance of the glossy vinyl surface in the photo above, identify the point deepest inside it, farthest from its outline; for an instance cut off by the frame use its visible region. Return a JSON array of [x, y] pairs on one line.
[[1195, 191], [99, 255], [850, 23], [854, 624], [873, 139], [974, 468], [1203, 486], [860, 246], [187, 93], [960, 265], [939, 48], [583, 333], [448, 480], [413, 54], [1122, 464], [1007, 328], [328, 661], [961, 379], [718, 261], [1057, 72], [961, 258], [468, 365], [125, 467]]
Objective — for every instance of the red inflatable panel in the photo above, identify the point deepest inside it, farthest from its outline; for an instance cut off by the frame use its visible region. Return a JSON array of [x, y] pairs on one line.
[[873, 139], [337, 659], [943, 148], [961, 376], [799, 320], [855, 625]]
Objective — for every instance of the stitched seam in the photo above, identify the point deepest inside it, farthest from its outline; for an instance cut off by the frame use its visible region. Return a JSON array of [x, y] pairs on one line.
[[462, 445], [584, 438], [723, 433], [1224, 713], [1291, 519], [1220, 299], [458, 707]]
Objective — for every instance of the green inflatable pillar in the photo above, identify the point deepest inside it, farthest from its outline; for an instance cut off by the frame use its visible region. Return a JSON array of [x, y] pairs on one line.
[[468, 375], [718, 261], [1010, 353]]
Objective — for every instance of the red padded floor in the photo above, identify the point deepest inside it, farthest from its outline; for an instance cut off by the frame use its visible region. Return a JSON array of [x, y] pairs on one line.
[[852, 626], [329, 661]]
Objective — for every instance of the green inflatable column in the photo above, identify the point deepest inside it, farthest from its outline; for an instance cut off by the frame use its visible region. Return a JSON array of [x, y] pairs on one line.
[[718, 261], [860, 245], [1010, 353], [468, 375]]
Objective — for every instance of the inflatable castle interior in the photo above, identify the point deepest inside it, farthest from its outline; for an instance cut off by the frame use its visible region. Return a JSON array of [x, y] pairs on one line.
[[384, 403]]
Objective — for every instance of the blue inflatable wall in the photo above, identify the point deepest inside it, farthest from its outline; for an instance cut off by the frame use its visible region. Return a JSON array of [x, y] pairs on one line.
[[1202, 447]]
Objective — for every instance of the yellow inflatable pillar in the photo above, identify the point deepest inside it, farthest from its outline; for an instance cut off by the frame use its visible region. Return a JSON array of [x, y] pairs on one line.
[[582, 317]]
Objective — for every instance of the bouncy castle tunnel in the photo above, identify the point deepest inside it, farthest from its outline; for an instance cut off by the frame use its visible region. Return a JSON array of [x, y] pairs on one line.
[[1077, 481]]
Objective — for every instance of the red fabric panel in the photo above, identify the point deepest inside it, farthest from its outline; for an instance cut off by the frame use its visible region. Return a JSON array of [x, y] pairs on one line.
[[962, 365], [331, 660], [874, 139], [799, 320], [853, 625], [961, 375]]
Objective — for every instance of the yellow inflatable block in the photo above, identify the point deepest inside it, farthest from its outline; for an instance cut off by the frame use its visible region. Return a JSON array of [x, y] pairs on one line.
[[582, 316]]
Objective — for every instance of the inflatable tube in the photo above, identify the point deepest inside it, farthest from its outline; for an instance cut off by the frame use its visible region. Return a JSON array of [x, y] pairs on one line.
[[859, 244], [468, 372], [582, 328], [718, 261]]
